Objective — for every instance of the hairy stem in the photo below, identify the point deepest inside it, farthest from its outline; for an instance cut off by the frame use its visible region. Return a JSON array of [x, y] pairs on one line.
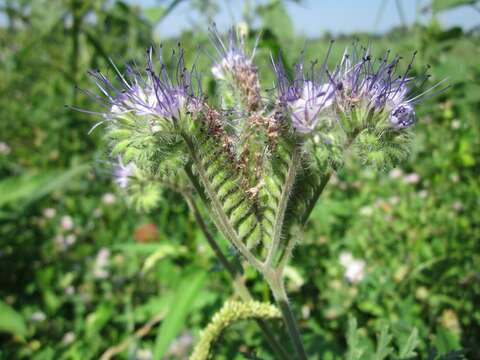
[[195, 183], [282, 207], [229, 266], [239, 284], [325, 179], [315, 198], [275, 280]]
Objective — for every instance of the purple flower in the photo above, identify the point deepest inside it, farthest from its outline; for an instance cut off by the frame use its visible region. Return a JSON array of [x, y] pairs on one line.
[[402, 116], [123, 173], [362, 80], [307, 97], [156, 93]]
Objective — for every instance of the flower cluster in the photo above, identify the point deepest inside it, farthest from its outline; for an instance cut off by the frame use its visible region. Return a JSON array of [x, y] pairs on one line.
[[363, 99], [158, 94]]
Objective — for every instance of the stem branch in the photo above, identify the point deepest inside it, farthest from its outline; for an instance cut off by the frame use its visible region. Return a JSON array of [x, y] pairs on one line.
[[239, 284]]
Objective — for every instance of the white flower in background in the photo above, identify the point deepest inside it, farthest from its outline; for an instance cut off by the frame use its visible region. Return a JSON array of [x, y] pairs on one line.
[[49, 213], [354, 268], [4, 148], [355, 271], [143, 354], [394, 200], [345, 258], [109, 199], [457, 206], [97, 213], [366, 211], [38, 316], [70, 239], [67, 222], [456, 124], [59, 241], [68, 338], [306, 311], [69, 290], [395, 173], [422, 194], [63, 242], [181, 346], [412, 178], [101, 262]]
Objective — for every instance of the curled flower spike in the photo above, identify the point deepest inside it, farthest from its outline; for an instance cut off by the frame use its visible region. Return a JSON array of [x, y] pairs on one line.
[[231, 54], [306, 97], [235, 67], [157, 94], [375, 85]]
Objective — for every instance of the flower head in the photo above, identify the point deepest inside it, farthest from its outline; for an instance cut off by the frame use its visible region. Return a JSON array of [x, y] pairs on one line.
[[376, 86], [159, 94], [306, 97]]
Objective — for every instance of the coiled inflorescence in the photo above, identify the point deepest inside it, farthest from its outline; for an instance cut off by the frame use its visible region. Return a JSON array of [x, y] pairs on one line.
[[376, 86], [236, 68]]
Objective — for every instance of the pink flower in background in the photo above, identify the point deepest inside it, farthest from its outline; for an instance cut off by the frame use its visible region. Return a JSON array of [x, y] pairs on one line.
[[67, 222]]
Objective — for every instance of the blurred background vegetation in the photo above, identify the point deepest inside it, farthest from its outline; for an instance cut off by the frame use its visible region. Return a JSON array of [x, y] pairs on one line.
[[81, 272]]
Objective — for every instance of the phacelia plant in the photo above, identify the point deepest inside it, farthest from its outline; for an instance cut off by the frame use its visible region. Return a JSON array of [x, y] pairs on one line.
[[260, 161]]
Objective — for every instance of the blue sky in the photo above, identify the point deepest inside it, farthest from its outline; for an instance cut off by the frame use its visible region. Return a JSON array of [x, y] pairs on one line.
[[314, 17]]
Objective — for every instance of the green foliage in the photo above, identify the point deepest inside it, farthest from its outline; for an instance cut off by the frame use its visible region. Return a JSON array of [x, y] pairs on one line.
[[11, 321], [359, 349], [21, 190], [179, 309]]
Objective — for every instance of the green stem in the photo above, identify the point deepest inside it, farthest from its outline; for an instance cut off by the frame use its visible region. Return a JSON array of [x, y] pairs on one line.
[[325, 179], [239, 284], [230, 267], [77, 19], [278, 289]]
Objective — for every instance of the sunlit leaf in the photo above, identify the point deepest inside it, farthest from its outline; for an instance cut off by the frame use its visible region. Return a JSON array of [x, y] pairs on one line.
[[27, 188], [11, 321], [174, 322]]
